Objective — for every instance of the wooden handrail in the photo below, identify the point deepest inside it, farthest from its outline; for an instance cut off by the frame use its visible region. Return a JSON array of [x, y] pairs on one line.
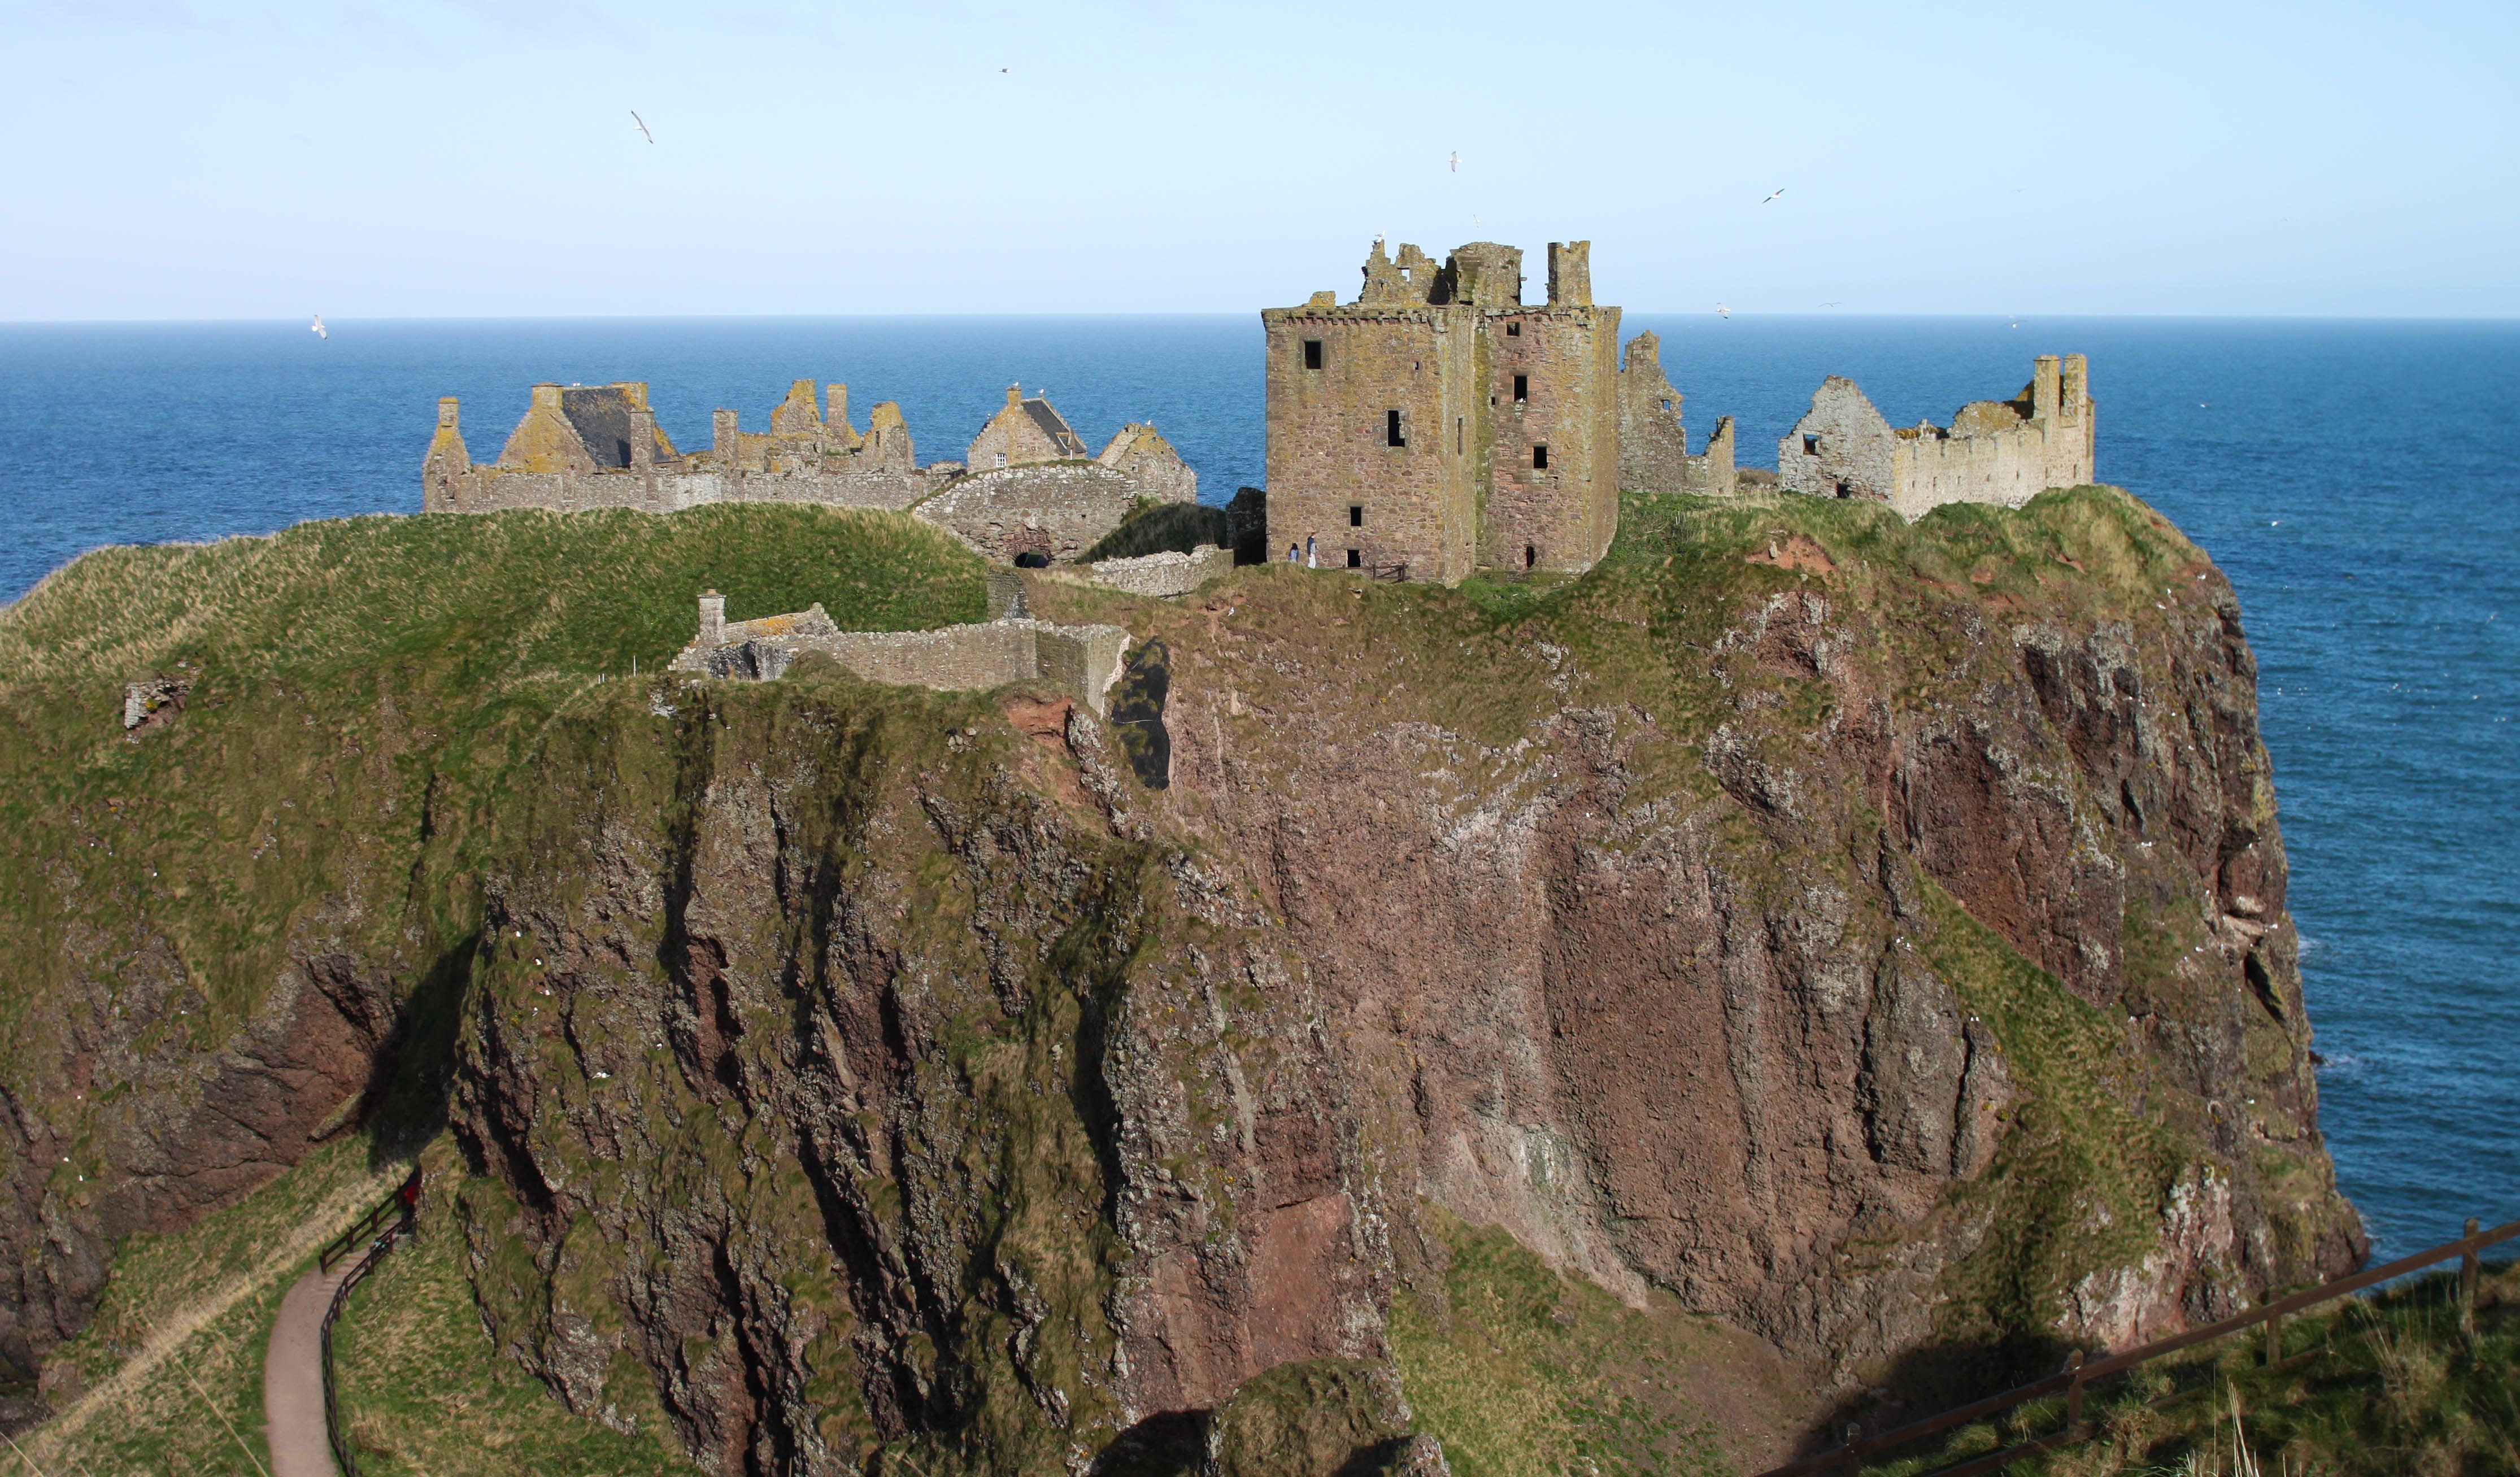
[[2076, 1376], [405, 1203]]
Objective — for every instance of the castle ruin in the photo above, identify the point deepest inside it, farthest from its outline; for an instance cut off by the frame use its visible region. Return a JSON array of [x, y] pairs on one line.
[[1994, 451], [598, 446], [1440, 424], [1082, 661]]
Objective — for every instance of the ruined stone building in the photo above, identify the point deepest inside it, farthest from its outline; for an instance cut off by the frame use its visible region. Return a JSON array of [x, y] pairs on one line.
[[1032, 485], [1082, 661], [598, 446], [1653, 445], [1994, 451], [1439, 424], [1027, 431]]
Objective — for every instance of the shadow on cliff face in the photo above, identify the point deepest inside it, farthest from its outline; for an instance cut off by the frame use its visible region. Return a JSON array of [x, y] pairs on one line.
[[1935, 1377], [415, 1068]]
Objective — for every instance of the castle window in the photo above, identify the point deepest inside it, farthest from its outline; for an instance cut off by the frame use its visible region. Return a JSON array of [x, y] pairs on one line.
[[1002, 459], [1391, 435], [1312, 353], [1513, 330], [1843, 490], [1540, 458], [1666, 405], [1521, 389], [1354, 516], [1811, 446], [1457, 435], [1356, 559], [1530, 557]]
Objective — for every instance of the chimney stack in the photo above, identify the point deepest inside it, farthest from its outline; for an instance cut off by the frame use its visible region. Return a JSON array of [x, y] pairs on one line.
[[712, 618]]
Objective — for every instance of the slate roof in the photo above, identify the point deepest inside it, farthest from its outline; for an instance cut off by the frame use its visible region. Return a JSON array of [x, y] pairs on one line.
[[1052, 424], [601, 417]]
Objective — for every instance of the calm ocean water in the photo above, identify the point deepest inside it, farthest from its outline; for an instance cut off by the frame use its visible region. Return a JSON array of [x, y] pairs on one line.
[[2358, 481]]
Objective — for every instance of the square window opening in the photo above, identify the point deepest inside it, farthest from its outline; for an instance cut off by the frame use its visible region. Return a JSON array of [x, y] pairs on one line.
[[1513, 330], [1811, 446], [1356, 559], [1354, 516], [1312, 353], [1521, 388], [1540, 458], [1391, 434]]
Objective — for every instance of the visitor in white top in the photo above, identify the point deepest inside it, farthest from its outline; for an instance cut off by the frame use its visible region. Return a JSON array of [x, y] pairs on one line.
[[1312, 556]]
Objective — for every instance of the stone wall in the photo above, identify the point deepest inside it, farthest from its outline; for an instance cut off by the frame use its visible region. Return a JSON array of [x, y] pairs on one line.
[[1164, 574], [1082, 661], [1398, 436], [1653, 445], [1839, 449], [583, 447], [1141, 454], [1058, 508]]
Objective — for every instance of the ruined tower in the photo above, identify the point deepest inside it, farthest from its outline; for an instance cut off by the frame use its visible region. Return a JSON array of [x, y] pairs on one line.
[[1439, 424]]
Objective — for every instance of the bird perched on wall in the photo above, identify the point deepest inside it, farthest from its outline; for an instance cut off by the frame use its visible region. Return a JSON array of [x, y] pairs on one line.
[[642, 125], [317, 328], [1772, 194]]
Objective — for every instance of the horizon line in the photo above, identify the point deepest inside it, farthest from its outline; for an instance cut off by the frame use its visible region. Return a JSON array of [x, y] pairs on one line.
[[297, 321]]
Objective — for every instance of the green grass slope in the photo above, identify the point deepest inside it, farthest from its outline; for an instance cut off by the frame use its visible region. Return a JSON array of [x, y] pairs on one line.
[[364, 694]]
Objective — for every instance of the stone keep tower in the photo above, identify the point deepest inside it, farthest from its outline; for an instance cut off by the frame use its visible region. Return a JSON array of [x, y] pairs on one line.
[[1440, 424]]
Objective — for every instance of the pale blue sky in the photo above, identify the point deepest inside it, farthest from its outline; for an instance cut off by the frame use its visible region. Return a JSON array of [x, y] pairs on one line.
[[167, 158]]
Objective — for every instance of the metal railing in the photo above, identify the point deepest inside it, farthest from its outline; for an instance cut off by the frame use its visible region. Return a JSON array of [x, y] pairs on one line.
[[2077, 1377], [403, 1209]]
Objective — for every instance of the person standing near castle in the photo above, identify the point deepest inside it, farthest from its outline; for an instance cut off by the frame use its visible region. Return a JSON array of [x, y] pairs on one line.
[[1312, 556], [1292, 552]]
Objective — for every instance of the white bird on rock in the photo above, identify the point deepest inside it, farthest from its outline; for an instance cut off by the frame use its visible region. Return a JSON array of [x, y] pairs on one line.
[[642, 125], [317, 328]]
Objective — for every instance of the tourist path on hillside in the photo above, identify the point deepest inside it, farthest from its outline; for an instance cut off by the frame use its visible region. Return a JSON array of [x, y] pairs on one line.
[[293, 1377]]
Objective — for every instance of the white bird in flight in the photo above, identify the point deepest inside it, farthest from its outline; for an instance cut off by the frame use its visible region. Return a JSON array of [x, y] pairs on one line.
[[1457, 163], [1779, 190], [642, 125], [317, 328], [1721, 311]]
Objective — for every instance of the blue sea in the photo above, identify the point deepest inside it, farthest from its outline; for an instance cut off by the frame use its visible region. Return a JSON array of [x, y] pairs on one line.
[[2360, 481]]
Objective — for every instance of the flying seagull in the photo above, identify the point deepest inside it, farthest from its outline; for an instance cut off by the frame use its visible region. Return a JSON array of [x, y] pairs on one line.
[[1779, 190], [1457, 162], [1721, 311], [318, 327], [1828, 304], [642, 125]]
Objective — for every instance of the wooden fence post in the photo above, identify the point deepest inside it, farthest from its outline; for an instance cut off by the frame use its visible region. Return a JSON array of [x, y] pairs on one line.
[[2074, 1395], [2274, 1341], [1854, 1437], [2468, 1290]]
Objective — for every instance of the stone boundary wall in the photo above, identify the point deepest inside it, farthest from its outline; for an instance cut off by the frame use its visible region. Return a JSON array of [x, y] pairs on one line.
[[488, 490], [1082, 661], [1058, 508], [2008, 467], [1165, 574]]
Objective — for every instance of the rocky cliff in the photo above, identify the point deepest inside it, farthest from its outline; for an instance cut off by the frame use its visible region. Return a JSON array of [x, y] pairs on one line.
[[1871, 935]]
